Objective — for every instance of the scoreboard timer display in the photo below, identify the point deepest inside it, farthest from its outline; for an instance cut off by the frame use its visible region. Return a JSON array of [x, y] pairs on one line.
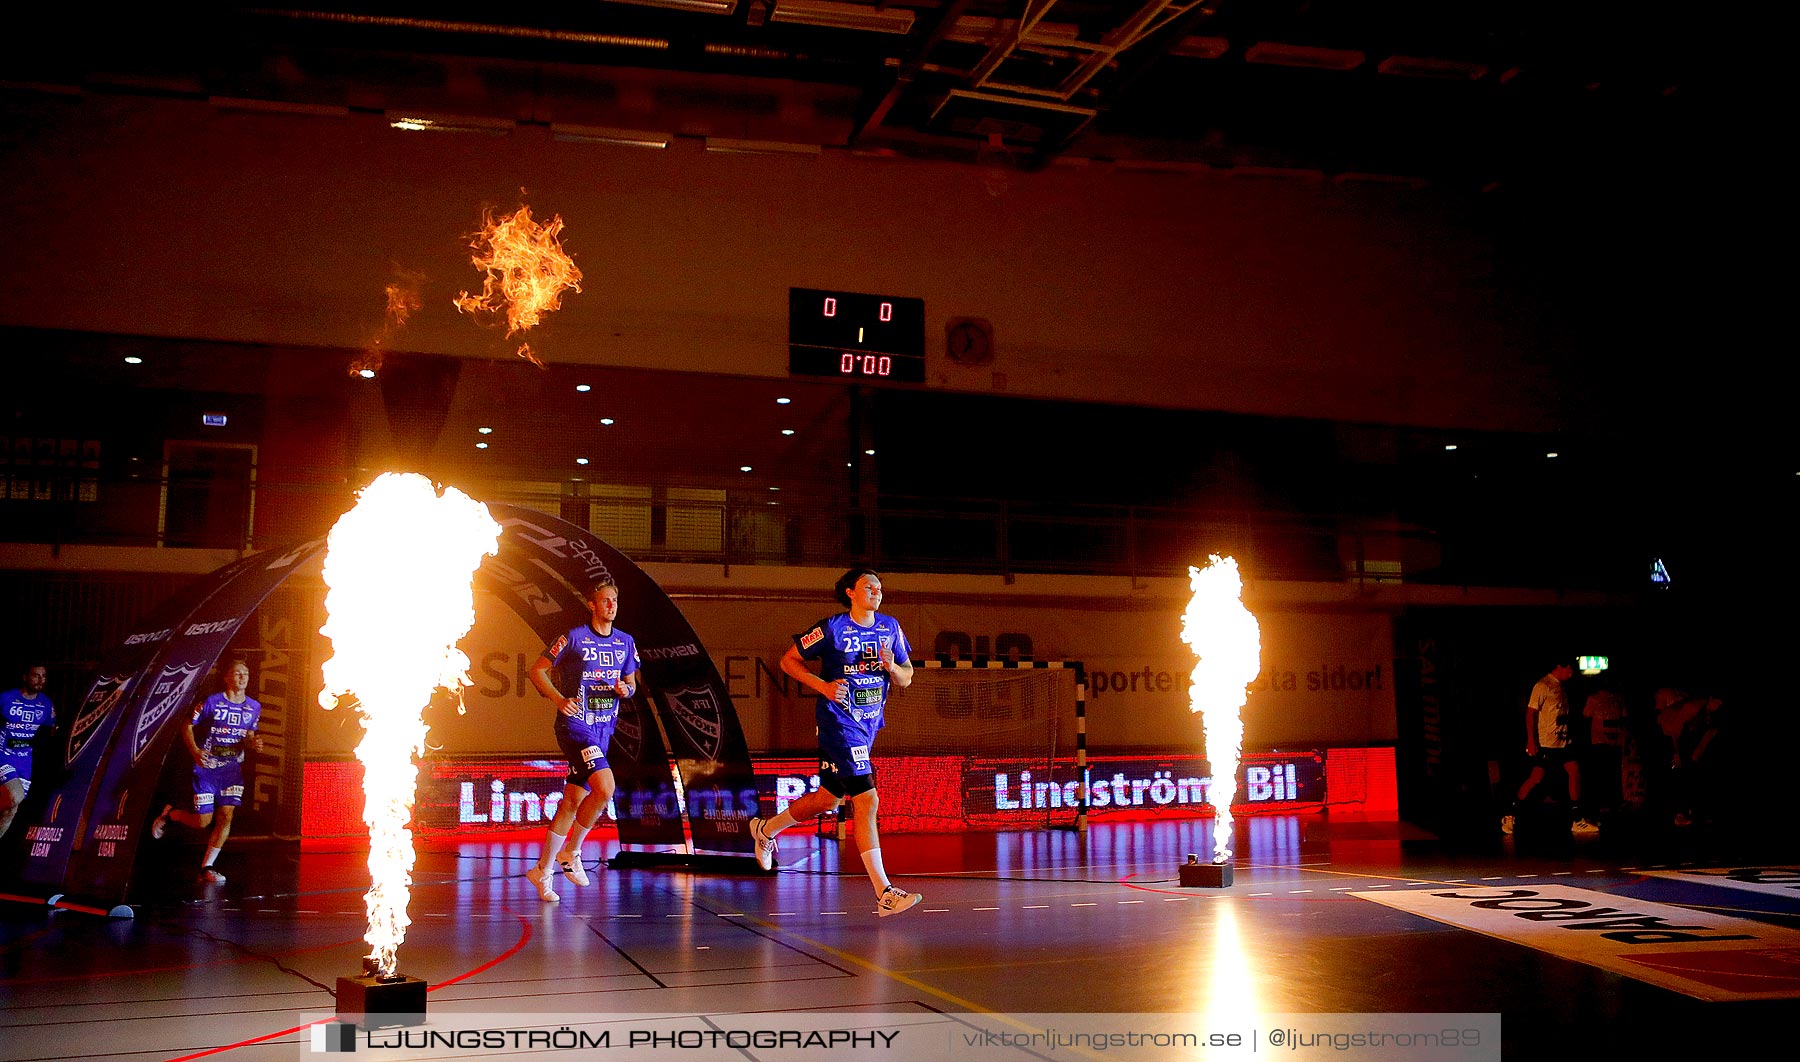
[[853, 336]]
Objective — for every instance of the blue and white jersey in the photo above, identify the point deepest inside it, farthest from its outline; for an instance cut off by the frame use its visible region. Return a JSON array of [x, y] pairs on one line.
[[847, 650], [587, 665], [226, 727], [23, 717]]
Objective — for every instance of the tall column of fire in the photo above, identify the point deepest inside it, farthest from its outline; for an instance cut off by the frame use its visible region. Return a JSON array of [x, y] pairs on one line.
[[1225, 636], [398, 572]]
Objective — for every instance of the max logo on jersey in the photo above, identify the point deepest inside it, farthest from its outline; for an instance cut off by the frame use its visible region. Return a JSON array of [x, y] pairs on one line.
[[812, 638]]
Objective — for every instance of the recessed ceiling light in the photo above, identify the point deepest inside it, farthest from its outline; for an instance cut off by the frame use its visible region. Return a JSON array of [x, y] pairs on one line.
[[133, 359], [774, 488], [481, 446], [606, 421], [783, 401], [743, 468], [1449, 446], [581, 460], [485, 430], [367, 374], [787, 431], [871, 453], [1553, 453], [584, 388]]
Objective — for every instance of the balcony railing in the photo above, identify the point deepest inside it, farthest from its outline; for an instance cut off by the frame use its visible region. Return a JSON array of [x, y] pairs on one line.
[[984, 536]]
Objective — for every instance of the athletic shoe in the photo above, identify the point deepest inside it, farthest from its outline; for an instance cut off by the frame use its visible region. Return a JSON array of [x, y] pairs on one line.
[[211, 876], [1506, 824], [161, 824], [894, 900], [765, 845], [540, 877], [572, 868], [1583, 827]]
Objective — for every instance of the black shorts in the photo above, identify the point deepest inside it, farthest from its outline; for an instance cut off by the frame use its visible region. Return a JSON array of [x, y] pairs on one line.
[[836, 779], [1547, 757]]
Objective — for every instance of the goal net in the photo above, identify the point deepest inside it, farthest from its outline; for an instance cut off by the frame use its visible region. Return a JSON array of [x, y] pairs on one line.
[[985, 747]]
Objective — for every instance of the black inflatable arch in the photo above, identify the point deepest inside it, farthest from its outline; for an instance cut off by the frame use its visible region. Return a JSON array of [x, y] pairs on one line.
[[83, 837]]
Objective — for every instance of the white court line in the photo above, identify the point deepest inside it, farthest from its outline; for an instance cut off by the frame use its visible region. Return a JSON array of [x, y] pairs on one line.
[[1130, 901], [1036, 907], [987, 908], [1084, 905]]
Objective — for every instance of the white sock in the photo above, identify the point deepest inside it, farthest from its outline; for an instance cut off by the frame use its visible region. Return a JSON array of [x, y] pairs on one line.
[[577, 835], [872, 863], [552, 844], [211, 854], [773, 826]]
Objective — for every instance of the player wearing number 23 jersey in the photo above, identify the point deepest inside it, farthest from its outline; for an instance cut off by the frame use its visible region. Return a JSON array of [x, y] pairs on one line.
[[848, 650]]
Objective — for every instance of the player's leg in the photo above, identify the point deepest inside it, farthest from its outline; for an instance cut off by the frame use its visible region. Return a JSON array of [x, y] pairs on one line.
[[890, 898], [206, 791], [600, 786], [12, 794], [810, 806], [221, 830], [580, 753]]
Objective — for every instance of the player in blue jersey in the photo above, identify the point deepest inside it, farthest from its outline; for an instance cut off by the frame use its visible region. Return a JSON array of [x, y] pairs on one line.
[[222, 728], [861, 654], [24, 713], [598, 665]]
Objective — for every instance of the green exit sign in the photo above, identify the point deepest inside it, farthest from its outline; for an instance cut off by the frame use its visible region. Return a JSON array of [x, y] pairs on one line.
[[1593, 665]]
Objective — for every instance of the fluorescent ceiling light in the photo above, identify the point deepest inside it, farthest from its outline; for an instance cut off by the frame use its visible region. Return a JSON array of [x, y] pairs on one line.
[[704, 7], [593, 134], [760, 147], [842, 16], [448, 123]]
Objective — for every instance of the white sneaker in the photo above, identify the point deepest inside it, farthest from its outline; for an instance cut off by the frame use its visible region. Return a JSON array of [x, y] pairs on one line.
[[894, 900], [211, 876], [1506, 824], [541, 878], [1583, 827], [572, 868], [765, 845], [161, 825]]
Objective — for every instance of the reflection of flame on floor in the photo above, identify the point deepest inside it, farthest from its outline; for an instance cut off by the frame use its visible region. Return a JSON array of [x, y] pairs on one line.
[[398, 572], [1226, 638], [527, 272]]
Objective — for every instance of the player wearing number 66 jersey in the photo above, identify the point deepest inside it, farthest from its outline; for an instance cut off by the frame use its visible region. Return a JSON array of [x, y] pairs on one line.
[[24, 714], [598, 665], [862, 654]]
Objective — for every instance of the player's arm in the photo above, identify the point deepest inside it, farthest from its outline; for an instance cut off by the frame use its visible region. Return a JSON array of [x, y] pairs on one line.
[[627, 686], [794, 666], [187, 733], [901, 674], [1531, 727], [540, 677]]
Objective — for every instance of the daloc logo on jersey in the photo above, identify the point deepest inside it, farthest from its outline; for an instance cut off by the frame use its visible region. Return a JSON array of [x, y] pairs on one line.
[[169, 693], [698, 713]]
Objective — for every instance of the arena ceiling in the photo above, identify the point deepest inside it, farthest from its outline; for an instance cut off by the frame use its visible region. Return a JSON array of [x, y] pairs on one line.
[[1470, 93]]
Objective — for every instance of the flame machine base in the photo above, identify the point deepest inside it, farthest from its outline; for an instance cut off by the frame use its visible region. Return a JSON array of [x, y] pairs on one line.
[[373, 1001], [1198, 875]]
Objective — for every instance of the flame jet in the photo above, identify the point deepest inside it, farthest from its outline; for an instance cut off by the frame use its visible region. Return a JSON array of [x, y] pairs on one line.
[[398, 572], [1227, 639]]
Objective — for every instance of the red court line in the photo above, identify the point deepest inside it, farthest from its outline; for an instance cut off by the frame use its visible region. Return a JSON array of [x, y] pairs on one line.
[[524, 938]]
